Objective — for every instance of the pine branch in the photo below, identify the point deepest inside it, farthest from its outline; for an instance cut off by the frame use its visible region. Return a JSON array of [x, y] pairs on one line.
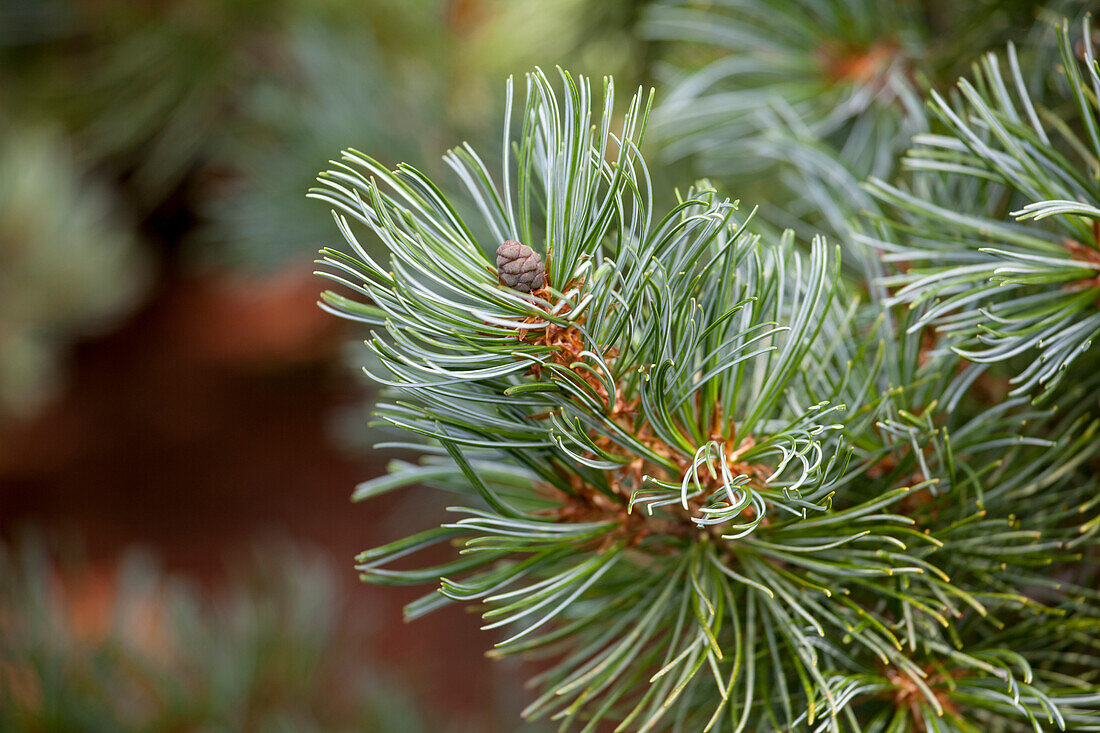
[[1021, 284], [695, 471], [845, 70]]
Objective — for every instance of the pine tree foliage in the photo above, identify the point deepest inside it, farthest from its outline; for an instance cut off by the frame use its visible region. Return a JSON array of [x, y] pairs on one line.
[[798, 101], [1002, 225], [708, 480], [845, 70]]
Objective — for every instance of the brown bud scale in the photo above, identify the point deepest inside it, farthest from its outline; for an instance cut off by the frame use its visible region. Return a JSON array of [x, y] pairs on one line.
[[520, 267]]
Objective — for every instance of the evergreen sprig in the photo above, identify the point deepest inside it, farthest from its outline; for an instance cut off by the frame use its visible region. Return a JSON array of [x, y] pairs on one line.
[[796, 102], [999, 233], [846, 71], [696, 470]]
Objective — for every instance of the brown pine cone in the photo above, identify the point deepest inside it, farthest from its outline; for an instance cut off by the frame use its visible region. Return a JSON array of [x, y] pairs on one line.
[[519, 266]]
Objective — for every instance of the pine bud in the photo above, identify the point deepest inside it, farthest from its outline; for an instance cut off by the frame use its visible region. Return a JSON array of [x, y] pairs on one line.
[[519, 266]]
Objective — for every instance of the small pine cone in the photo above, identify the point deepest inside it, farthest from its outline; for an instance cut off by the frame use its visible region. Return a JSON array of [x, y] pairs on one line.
[[520, 267]]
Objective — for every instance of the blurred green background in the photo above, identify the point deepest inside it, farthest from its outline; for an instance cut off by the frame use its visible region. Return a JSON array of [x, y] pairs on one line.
[[180, 426]]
